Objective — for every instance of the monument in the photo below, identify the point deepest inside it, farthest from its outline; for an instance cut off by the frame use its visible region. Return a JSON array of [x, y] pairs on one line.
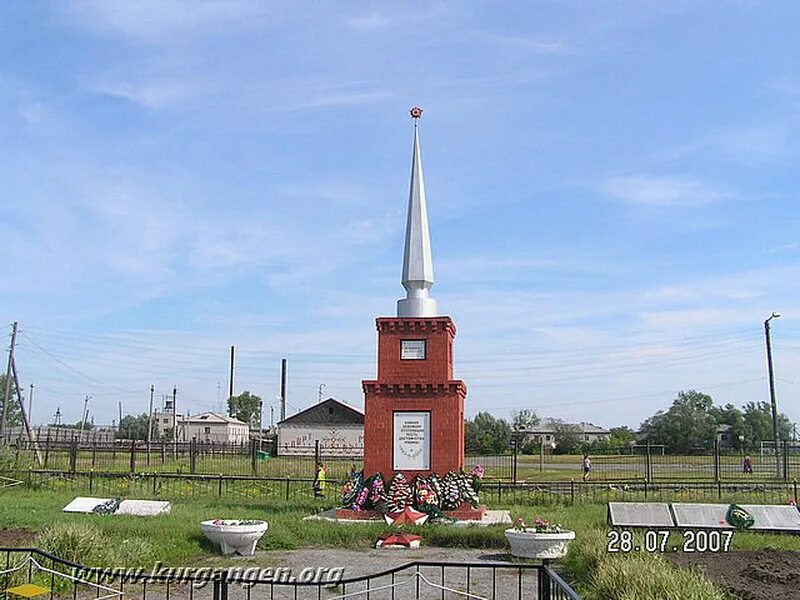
[[414, 410]]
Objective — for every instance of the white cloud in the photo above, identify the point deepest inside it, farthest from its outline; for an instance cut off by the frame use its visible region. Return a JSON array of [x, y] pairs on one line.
[[154, 94], [168, 21], [663, 191]]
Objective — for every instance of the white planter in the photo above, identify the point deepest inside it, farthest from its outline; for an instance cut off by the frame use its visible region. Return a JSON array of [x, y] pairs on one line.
[[529, 544], [233, 537]]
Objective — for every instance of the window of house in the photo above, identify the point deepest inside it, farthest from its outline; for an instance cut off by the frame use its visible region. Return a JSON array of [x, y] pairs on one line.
[[207, 429]]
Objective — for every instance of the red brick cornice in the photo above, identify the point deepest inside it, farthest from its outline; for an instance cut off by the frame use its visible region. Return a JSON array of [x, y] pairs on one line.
[[414, 390], [415, 326]]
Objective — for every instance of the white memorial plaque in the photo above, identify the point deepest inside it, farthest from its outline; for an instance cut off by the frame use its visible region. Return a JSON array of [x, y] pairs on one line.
[[412, 441]]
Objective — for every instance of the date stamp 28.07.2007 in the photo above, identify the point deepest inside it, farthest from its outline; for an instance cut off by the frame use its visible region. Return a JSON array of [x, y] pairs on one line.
[[626, 541]]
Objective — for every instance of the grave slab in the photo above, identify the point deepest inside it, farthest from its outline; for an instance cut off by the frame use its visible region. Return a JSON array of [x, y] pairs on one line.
[[143, 508], [768, 517], [639, 514], [139, 508], [83, 504]]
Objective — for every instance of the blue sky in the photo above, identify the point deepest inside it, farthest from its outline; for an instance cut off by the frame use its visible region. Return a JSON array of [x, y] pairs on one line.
[[612, 193]]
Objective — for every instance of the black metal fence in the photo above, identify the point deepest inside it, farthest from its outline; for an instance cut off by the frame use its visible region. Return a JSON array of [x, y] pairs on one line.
[[58, 578], [170, 486], [637, 463]]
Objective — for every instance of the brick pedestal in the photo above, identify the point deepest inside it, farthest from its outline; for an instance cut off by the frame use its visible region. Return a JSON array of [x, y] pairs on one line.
[[414, 385]]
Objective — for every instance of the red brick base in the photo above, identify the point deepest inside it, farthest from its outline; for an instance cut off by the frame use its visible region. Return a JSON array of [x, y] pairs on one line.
[[465, 512]]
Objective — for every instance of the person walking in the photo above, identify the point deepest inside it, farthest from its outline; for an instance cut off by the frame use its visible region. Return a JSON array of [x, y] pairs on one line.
[[320, 480], [587, 466], [747, 465]]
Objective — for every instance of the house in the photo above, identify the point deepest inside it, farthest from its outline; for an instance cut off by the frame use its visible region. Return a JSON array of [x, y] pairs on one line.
[[213, 427], [545, 433], [338, 427], [204, 427]]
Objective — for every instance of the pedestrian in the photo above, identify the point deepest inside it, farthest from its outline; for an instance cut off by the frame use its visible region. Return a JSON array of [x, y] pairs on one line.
[[747, 465], [587, 466], [320, 481]]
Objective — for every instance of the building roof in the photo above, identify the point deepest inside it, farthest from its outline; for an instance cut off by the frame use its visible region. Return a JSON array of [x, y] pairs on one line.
[[548, 427], [326, 412], [212, 417]]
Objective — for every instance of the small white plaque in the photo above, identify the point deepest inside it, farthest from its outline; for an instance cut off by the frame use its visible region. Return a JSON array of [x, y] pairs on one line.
[[412, 349], [412, 441]]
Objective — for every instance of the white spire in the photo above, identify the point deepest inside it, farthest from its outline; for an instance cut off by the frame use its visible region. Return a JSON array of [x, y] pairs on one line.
[[417, 260]]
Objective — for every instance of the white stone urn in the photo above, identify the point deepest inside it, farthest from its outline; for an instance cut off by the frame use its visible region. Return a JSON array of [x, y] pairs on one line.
[[528, 543], [234, 536]]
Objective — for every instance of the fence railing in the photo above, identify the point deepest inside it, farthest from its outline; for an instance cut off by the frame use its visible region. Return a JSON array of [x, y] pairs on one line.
[[171, 486], [411, 581], [644, 463]]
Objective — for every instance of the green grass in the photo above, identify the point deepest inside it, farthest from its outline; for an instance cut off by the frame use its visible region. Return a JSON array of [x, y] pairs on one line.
[[176, 540]]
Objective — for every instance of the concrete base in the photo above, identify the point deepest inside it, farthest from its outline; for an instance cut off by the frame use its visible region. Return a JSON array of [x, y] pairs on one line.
[[465, 512], [489, 517]]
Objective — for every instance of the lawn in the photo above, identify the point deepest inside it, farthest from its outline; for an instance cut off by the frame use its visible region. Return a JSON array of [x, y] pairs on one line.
[[176, 540]]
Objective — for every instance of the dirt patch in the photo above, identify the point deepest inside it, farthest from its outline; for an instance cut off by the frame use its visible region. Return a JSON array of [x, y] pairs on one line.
[[749, 574], [13, 538]]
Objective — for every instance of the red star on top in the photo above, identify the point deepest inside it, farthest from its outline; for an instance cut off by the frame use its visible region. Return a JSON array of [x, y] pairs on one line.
[[416, 112]]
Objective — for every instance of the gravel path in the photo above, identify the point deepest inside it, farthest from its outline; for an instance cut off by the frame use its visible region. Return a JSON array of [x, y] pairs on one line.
[[508, 582]]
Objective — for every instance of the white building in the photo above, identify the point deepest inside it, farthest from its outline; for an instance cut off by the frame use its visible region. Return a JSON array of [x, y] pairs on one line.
[[205, 427], [338, 427]]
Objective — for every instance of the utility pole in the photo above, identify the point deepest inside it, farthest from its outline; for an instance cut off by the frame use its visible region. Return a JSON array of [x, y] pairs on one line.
[[84, 416], [322, 386], [7, 396], [57, 417], [120, 412], [219, 398], [283, 389], [230, 379], [30, 406], [174, 424], [150, 420], [772, 401], [25, 420]]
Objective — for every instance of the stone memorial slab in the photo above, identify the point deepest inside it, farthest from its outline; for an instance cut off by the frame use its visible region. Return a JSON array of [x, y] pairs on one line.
[[83, 504], [778, 517], [143, 508], [412, 441], [139, 508], [639, 514], [705, 516], [767, 517]]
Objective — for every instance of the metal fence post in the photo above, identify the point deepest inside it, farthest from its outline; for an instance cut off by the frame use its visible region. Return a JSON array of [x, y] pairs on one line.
[[73, 455], [193, 456], [47, 449], [514, 448], [648, 465], [254, 457], [133, 457], [317, 457], [785, 460], [544, 582], [716, 460]]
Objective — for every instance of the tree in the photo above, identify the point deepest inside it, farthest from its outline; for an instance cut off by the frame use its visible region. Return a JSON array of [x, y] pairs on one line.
[[689, 422], [524, 420], [619, 440], [135, 427], [13, 413], [487, 435], [245, 407], [568, 437], [757, 424]]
